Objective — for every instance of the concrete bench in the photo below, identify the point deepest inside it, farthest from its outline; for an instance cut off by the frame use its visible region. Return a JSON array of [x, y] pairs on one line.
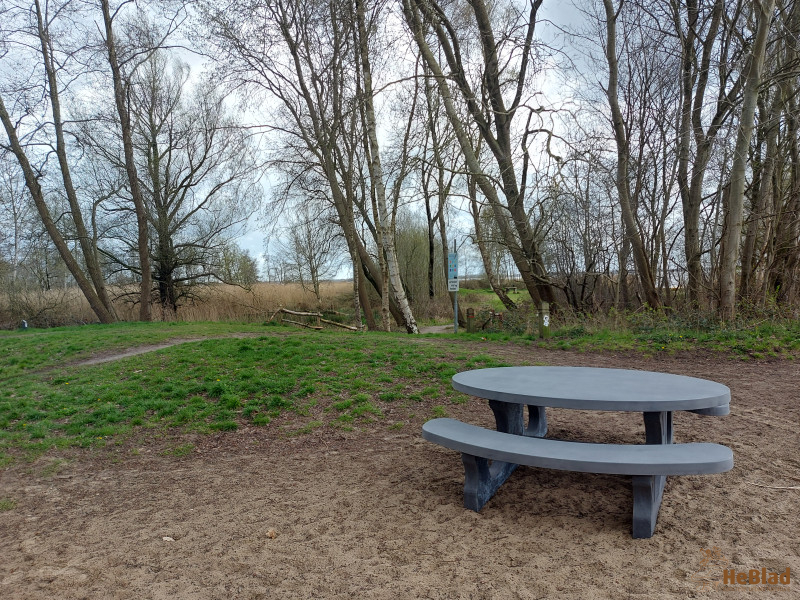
[[649, 464]]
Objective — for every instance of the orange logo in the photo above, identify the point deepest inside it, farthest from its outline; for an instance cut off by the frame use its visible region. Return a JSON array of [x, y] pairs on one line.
[[716, 573]]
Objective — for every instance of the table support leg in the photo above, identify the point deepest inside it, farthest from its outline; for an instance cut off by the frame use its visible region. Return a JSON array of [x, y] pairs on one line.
[[648, 490], [507, 416], [537, 422], [482, 478], [658, 427], [647, 493]]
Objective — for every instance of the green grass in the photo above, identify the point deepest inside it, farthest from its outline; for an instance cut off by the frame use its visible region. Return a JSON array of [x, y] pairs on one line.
[[297, 381], [486, 298], [7, 504], [651, 334], [292, 381], [179, 450], [36, 349]]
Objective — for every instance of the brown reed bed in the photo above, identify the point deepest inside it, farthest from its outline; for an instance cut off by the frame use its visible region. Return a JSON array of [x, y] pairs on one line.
[[209, 302]]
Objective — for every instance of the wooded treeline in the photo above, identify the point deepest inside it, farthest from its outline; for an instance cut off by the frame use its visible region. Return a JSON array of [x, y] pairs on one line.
[[642, 153]]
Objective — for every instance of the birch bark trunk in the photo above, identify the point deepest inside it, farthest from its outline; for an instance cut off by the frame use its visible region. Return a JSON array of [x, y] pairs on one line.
[[376, 176]]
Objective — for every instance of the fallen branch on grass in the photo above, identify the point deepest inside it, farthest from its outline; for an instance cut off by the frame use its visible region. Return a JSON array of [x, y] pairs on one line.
[[301, 324], [318, 316]]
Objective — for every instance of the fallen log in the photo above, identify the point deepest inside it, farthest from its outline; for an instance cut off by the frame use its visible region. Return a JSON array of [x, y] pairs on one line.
[[350, 327], [300, 314], [317, 327]]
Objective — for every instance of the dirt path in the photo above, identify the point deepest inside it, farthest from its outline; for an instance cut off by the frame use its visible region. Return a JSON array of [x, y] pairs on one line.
[[377, 513], [104, 357]]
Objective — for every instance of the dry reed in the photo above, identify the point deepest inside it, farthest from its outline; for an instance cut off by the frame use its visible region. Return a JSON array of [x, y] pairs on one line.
[[213, 302]]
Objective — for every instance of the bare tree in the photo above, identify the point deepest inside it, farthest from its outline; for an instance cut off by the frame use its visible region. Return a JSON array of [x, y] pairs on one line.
[[52, 64], [199, 173], [303, 59], [708, 48], [121, 83], [313, 246], [632, 232], [503, 75], [733, 216]]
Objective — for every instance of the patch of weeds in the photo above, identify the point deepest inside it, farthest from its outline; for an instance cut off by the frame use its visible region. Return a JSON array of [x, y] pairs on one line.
[[230, 401], [396, 426], [181, 450], [342, 404], [389, 396], [308, 428], [223, 426], [216, 389], [261, 420], [438, 411], [7, 504], [358, 384], [53, 467], [365, 408], [279, 403], [430, 392], [304, 410], [305, 390]]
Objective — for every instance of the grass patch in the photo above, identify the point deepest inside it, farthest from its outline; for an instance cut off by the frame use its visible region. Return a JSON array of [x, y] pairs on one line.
[[653, 333], [7, 504], [213, 385], [438, 411], [53, 467], [179, 450], [222, 384], [35, 349]]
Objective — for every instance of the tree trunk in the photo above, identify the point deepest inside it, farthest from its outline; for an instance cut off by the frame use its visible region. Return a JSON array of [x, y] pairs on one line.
[[88, 251], [120, 98], [761, 194], [511, 216], [733, 216], [487, 263], [377, 179], [623, 152], [97, 305]]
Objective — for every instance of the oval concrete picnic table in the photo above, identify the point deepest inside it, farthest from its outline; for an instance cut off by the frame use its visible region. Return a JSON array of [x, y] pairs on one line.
[[592, 388], [655, 395]]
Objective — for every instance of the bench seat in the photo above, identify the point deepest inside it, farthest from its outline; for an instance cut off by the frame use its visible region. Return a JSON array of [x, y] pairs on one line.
[[647, 463], [618, 459]]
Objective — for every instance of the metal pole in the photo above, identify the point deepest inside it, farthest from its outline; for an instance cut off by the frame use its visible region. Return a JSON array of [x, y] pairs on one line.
[[455, 297]]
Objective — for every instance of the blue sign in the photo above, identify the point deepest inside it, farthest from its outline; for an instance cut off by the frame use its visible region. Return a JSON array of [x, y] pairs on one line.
[[452, 266]]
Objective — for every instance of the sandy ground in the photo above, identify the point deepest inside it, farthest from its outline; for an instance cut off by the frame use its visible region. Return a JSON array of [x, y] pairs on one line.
[[377, 513]]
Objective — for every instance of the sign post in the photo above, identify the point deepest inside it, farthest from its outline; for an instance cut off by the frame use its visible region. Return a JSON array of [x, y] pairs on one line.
[[452, 283]]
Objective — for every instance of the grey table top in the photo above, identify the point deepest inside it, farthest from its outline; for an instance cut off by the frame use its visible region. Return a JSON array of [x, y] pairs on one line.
[[589, 388]]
